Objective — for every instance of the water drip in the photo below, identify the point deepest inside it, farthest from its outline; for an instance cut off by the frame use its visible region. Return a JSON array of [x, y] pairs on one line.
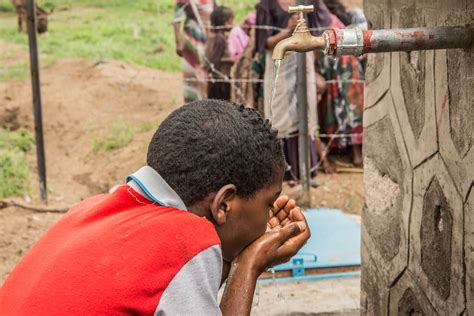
[[256, 299], [276, 71]]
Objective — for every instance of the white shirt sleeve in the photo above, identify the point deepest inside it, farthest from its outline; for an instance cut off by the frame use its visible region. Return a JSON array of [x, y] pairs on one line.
[[193, 290]]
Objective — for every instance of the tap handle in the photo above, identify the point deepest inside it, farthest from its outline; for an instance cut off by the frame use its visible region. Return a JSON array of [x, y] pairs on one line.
[[301, 9]]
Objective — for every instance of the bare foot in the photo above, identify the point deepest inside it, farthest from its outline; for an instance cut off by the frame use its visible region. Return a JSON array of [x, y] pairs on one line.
[[328, 169]]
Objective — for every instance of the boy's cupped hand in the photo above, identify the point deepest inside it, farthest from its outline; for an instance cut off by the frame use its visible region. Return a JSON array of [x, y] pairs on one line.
[[287, 231], [278, 215]]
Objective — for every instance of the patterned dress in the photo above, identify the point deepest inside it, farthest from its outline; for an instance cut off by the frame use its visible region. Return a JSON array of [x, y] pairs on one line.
[[342, 106], [194, 15], [340, 111]]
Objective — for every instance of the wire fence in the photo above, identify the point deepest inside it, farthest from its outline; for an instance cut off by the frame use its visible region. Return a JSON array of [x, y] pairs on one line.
[[210, 27], [138, 75], [220, 77], [244, 80], [262, 27]]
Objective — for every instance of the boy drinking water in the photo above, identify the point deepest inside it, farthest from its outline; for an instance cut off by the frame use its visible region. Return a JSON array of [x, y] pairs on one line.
[[205, 209]]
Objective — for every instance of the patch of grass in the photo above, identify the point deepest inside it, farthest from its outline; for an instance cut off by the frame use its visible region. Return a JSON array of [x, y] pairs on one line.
[[241, 8], [6, 6], [21, 140], [174, 100], [20, 70], [16, 71], [138, 32], [119, 135], [146, 127], [352, 202], [14, 171]]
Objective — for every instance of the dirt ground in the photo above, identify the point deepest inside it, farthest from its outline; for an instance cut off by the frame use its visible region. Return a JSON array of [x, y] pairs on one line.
[[81, 99], [322, 297]]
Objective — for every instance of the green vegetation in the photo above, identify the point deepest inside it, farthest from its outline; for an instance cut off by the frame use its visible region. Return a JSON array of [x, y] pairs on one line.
[[5, 6], [138, 32], [352, 202], [120, 134], [132, 31], [14, 170], [21, 139], [241, 8], [14, 71], [146, 127]]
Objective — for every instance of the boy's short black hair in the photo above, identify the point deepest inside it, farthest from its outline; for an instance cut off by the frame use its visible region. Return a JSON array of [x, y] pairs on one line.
[[207, 144], [220, 15]]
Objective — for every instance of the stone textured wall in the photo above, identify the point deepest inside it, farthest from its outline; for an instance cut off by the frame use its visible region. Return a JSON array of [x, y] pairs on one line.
[[418, 221]]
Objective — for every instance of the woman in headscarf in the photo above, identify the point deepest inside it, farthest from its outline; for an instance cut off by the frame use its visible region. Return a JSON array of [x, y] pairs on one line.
[[283, 112], [191, 22]]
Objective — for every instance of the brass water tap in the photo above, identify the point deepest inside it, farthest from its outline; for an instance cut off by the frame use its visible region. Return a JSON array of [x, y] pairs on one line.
[[301, 40]]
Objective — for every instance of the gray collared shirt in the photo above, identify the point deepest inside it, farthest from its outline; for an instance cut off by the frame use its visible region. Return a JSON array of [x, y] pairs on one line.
[[153, 187]]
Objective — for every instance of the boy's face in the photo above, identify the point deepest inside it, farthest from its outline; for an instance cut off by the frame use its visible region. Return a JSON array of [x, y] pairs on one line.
[[247, 218]]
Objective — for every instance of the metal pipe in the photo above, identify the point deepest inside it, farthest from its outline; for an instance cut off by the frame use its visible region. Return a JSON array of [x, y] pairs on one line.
[[356, 41], [35, 83], [302, 98]]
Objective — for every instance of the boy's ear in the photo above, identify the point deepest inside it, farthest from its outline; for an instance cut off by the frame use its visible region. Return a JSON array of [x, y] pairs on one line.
[[221, 203]]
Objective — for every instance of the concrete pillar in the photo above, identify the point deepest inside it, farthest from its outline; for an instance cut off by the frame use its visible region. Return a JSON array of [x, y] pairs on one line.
[[418, 221]]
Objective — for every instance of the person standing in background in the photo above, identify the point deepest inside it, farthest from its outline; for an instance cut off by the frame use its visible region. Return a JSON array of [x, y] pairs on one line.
[[239, 36], [218, 62], [191, 21], [247, 64], [283, 113]]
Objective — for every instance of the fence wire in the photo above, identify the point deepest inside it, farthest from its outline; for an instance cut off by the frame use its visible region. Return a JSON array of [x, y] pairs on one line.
[[223, 78]]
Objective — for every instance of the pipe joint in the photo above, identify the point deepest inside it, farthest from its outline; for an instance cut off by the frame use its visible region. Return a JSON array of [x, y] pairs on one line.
[[344, 42]]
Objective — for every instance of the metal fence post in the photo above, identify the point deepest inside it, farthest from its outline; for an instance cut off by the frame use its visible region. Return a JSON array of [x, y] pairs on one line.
[[303, 146], [35, 83]]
